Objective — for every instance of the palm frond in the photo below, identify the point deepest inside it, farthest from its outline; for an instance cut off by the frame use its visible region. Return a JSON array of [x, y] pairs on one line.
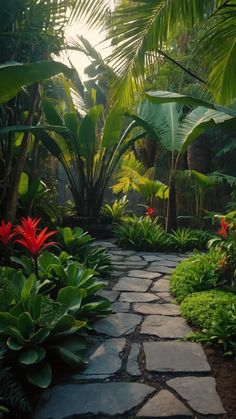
[[92, 12], [149, 29], [218, 49]]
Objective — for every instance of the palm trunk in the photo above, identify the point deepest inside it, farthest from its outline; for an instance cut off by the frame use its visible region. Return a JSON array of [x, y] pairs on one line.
[[19, 167]]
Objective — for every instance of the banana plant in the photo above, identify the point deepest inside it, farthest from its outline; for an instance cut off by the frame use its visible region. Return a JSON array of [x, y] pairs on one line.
[[89, 152], [175, 127]]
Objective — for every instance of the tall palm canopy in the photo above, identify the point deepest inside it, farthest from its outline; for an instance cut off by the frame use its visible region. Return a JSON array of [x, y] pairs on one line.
[[148, 34]]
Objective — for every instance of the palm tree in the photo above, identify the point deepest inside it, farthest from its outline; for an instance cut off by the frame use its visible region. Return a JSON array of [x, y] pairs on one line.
[[175, 128], [140, 40]]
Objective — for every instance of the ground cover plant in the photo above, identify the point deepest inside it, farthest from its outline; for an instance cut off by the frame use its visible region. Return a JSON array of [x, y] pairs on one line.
[[146, 233], [48, 304]]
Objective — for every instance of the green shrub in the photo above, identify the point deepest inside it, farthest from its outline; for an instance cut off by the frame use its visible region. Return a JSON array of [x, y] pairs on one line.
[[194, 274], [183, 239], [141, 233], [78, 244], [202, 308]]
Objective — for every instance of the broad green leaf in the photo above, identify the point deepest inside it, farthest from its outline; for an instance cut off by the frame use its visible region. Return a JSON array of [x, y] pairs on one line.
[[29, 285], [87, 131], [159, 96], [24, 184], [28, 357], [46, 259], [71, 297], [112, 128], [26, 325], [13, 344], [14, 76], [40, 375], [72, 122], [52, 116], [6, 320]]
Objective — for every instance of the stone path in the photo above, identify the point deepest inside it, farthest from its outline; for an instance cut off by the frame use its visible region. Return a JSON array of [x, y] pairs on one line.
[[139, 366]]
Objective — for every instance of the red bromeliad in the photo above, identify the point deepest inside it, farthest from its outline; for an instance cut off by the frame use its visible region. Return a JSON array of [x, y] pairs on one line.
[[31, 238], [150, 211], [6, 233], [223, 231]]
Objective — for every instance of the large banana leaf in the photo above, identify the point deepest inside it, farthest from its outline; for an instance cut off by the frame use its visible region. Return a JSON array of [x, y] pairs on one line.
[[13, 76], [175, 130], [160, 96], [87, 131], [112, 128]]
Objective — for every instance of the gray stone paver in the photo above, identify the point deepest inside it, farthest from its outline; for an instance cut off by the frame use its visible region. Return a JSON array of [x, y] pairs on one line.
[[165, 327], [132, 366], [138, 297], [71, 400], [200, 393], [132, 284], [141, 302], [120, 307], [175, 357], [141, 273], [104, 360], [162, 285], [118, 324], [164, 404], [155, 308], [160, 269]]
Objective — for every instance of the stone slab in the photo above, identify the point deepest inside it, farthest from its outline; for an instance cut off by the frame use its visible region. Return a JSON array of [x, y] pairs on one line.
[[138, 297], [119, 252], [155, 308], [165, 263], [118, 324], [132, 284], [160, 269], [200, 393], [166, 296], [164, 405], [143, 274], [162, 285], [134, 259], [165, 326], [175, 357], [151, 258], [132, 366], [116, 258], [104, 360], [120, 307], [110, 295], [71, 400]]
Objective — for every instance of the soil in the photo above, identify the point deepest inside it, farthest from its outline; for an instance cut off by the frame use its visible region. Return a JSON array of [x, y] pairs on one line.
[[224, 371]]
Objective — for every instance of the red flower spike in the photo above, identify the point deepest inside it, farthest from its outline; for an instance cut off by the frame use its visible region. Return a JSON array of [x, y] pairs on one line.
[[223, 231], [150, 211], [31, 239], [6, 233]]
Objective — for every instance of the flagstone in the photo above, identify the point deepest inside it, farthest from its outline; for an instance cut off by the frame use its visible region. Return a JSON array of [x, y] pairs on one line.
[[164, 405], [71, 400], [132, 284], [143, 274], [175, 357], [155, 308], [118, 324], [200, 393], [138, 297], [165, 326]]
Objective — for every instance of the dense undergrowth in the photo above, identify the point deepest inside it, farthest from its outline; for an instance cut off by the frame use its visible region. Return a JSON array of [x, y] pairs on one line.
[[48, 304]]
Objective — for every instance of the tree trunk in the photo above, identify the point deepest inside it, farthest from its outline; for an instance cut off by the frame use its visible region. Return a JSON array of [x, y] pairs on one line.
[[198, 155], [171, 221], [19, 167]]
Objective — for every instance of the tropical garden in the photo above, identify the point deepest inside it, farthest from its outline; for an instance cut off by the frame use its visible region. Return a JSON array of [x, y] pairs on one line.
[[140, 149]]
